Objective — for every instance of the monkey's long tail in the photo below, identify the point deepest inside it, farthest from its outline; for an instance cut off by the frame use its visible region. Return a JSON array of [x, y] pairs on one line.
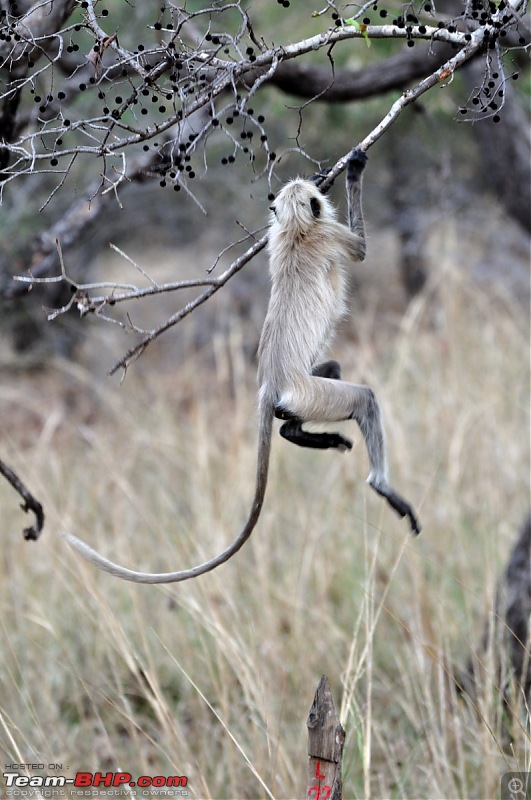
[[264, 449]]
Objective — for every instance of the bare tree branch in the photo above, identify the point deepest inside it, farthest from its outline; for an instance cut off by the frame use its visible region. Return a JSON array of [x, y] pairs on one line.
[[30, 503], [189, 84], [227, 75], [134, 352], [28, 34], [394, 72]]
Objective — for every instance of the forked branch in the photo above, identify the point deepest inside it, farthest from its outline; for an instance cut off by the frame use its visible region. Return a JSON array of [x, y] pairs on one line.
[[30, 503]]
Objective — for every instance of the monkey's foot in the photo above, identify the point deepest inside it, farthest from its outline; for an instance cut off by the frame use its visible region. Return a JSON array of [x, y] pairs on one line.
[[356, 163], [402, 508]]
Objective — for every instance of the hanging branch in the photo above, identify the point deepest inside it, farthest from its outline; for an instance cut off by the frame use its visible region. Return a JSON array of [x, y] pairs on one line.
[[30, 503]]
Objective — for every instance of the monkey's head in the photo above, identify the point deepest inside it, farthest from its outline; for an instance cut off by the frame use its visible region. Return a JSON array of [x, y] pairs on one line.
[[299, 206]]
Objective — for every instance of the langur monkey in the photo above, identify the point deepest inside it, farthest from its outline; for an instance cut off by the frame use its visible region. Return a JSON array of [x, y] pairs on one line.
[[309, 253]]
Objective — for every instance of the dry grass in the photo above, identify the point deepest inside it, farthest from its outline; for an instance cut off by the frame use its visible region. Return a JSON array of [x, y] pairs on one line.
[[213, 679]]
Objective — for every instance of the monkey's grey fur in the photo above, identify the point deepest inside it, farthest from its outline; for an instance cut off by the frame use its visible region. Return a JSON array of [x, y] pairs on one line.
[[309, 252]]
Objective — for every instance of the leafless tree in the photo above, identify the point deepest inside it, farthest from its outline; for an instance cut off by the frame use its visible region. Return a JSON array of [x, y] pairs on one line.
[[84, 102]]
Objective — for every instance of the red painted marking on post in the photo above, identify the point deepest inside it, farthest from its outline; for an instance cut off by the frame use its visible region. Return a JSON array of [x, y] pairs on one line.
[[318, 774], [321, 792]]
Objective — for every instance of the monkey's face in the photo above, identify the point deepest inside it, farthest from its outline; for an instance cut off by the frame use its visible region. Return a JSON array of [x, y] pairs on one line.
[[300, 206]]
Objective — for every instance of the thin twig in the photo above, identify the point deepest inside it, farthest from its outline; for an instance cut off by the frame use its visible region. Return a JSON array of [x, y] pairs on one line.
[[134, 352], [30, 503]]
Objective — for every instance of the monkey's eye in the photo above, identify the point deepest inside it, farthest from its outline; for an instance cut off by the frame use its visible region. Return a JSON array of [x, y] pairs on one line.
[[273, 209], [316, 207]]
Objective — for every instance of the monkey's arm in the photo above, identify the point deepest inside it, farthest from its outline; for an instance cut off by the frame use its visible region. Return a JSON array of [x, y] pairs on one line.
[[293, 432], [325, 400], [352, 238], [355, 166]]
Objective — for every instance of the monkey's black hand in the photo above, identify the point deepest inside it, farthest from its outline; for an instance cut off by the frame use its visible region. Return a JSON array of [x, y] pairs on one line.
[[318, 178], [293, 431], [340, 442], [283, 413], [356, 163]]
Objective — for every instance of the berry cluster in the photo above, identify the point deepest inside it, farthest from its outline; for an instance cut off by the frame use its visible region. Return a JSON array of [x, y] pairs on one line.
[[102, 94], [495, 20], [97, 91]]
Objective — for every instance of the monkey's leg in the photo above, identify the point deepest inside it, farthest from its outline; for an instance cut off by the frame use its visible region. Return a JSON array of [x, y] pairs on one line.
[[293, 431], [323, 400], [368, 417]]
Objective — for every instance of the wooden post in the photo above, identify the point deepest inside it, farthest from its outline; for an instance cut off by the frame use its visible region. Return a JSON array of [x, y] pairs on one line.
[[326, 738]]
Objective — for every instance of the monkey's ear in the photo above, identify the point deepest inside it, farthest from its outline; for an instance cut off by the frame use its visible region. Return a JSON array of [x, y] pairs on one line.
[[315, 205]]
